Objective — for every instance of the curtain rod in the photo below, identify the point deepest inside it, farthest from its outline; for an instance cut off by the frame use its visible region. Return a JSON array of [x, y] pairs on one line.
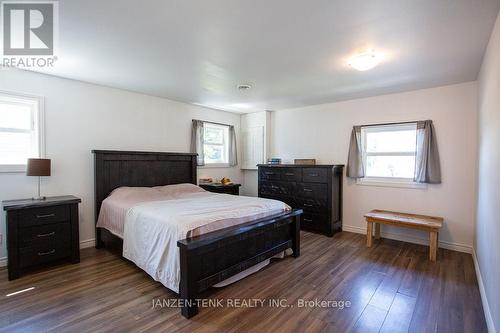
[[393, 123], [212, 122]]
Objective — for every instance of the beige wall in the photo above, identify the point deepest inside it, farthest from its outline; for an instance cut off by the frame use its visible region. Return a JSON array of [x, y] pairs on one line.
[[322, 132], [80, 117], [487, 240]]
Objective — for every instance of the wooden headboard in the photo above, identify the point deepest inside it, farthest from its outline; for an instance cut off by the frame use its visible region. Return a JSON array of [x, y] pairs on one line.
[[113, 169]]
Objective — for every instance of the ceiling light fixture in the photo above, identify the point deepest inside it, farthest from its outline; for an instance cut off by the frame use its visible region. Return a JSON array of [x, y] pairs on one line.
[[364, 61], [244, 87], [240, 106]]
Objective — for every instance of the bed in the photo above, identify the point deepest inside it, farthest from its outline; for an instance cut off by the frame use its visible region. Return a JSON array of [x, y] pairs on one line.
[[210, 253]]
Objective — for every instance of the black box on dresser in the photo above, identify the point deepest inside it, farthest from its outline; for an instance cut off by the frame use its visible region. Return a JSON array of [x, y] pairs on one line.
[[41, 233], [317, 189]]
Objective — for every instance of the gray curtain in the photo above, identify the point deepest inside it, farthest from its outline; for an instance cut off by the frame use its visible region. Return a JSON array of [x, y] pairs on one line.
[[197, 141], [233, 154], [355, 166], [427, 167]]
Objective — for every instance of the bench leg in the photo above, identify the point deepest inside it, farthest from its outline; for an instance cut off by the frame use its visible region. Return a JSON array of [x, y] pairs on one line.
[[369, 233], [377, 230], [433, 245]]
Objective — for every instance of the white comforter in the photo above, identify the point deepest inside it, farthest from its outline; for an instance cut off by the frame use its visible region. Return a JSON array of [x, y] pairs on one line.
[[152, 229]]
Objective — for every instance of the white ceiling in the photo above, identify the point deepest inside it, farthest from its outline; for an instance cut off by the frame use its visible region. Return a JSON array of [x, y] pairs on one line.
[[293, 52]]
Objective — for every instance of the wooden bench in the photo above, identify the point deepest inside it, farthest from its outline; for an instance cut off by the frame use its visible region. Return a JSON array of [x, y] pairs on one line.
[[421, 222]]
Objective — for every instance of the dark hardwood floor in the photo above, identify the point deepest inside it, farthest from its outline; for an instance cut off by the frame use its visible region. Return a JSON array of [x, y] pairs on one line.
[[392, 287]]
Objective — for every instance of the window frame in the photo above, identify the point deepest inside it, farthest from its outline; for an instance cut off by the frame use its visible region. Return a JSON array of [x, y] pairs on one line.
[[38, 126], [225, 145], [387, 181]]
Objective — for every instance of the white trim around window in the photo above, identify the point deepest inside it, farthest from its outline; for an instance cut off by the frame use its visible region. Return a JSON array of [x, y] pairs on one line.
[[390, 182], [37, 126]]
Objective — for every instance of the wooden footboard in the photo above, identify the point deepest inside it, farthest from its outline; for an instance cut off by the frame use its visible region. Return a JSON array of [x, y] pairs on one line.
[[211, 258]]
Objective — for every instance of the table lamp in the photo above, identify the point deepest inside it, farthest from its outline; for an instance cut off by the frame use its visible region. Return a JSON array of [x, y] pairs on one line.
[[39, 167]]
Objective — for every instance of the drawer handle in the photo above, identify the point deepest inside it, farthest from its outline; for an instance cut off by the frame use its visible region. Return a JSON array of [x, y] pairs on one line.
[[289, 174], [307, 205], [313, 175], [47, 234], [307, 190], [272, 186], [269, 173], [47, 253], [308, 220], [45, 216]]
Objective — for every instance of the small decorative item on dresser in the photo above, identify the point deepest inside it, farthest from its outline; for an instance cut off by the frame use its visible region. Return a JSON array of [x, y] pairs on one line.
[[225, 181], [304, 161], [274, 160], [40, 233], [221, 188], [39, 167]]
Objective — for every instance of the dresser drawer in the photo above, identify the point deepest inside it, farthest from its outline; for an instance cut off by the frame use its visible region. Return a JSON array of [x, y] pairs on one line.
[[291, 174], [313, 205], [43, 215], [43, 253], [315, 191], [269, 173], [54, 233], [277, 188], [315, 175], [314, 222]]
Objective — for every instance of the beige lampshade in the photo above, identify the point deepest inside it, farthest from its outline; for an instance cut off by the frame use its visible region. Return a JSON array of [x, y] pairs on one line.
[[38, 167]]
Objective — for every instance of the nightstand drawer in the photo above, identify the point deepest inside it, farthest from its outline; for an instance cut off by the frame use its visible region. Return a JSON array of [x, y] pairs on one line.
[[41, 254], [225, 189], [43, 215], [55, 233]]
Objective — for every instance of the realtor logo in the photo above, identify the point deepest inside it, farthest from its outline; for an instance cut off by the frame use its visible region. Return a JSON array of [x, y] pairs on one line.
[[28, 28], [29, 33]]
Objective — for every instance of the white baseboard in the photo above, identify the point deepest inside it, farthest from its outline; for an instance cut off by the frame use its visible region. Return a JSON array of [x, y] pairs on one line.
[[87, 243], [411, 239], [83, 244], [484, 298]]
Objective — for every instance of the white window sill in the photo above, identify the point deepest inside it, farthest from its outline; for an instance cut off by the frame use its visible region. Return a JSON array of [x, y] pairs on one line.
[[11, 168], [215, 165], [387, 182]]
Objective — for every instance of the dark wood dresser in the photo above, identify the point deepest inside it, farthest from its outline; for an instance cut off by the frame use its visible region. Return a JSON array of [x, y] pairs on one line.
[[219, 188], [317, 189], [41, 232]]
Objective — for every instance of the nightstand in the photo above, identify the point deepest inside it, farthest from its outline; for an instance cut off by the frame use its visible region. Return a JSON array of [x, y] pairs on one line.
[[41, 233], [219, 188]]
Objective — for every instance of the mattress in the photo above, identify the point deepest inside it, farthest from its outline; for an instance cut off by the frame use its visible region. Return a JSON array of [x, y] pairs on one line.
[[151, 221]]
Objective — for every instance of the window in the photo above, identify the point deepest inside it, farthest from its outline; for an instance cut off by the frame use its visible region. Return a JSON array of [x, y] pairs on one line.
[[215, 144], [389, 152], [20, 131]]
